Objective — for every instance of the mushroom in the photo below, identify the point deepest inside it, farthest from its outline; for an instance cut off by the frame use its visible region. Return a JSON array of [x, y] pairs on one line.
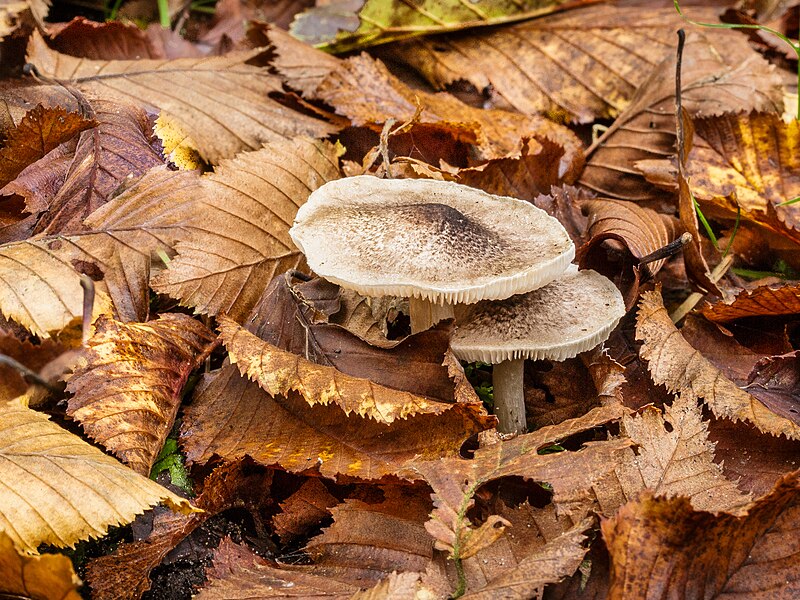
[[437, 242], [570, 315]]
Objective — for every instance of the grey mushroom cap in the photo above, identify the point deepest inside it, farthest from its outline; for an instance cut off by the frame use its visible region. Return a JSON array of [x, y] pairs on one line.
[[437, 240], [569, 316]]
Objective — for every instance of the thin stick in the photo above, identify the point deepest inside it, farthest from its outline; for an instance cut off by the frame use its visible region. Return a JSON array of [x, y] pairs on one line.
[[27, 373], [88, 307], [667, 251], [695, 297]]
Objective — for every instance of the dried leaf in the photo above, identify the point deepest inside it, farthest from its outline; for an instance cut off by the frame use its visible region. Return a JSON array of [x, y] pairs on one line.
[[40, 181], [47, 577], [40, 131], [279, 373], [304, 510], [232, 417], [398, 586], [681, 368], [128, 381], [762, 301], [576, 65], [59, 489], [664, 548], [721, 73], [124, 574], [223, 102], [383, 21], [234, 250], [118, 149], [363, 90], [10, 12], [35, 357]]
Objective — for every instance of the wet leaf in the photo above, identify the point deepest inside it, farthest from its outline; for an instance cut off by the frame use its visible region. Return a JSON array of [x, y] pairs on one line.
[[236, 249], [681, 368], [338, 29], [59, 489], [721, 73], [46, 577], [232, 417], [664, 547], [128, 381], [224, 102]]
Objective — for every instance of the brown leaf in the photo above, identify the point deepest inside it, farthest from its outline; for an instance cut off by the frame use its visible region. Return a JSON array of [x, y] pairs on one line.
[[40, 131], [766, 300], [640, 231], [664, 548], [681, 368], [721, 73], [234, 250], [58, 489], [32, 356], [10, 15], [232, 417], [124, 574], [539, 67], [47, 577], [222, 102], [107, 155], [279, 373], [304, 510], [128, 381], [363, 90], [564, 203]]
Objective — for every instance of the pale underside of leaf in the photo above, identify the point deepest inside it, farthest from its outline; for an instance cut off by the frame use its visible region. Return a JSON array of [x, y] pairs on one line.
[[57, 489]]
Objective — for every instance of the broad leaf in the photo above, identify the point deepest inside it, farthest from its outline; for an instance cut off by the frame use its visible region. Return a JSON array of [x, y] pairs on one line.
[[304, 510], [46, 577], [762, 301]]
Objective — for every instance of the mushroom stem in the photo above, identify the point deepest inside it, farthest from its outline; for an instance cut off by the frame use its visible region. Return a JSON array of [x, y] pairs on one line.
[[509, 397], [424, 314]]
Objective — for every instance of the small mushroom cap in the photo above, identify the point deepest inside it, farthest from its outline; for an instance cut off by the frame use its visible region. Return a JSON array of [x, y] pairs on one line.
[[569, 316], [430, 239]]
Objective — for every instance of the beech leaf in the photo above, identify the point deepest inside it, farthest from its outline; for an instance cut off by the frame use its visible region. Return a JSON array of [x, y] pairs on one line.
[[762, 301], [45, 577]]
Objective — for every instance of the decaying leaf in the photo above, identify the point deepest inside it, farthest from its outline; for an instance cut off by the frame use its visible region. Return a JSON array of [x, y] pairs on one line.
[[58, 489], [681, 368], [33, 356], [232, 417], [304, 510], [46, 577], [762, 301], [338, 28], [576, 65], [665, 548], [235, 249], [222, 102], [279, 373], [721, 73], [125, 574], [127, 384]]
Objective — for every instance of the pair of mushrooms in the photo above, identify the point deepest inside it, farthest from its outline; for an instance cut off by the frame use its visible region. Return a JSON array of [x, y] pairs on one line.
[[502, 264]]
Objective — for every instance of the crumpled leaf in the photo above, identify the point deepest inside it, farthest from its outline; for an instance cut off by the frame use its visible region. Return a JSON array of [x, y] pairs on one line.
[[338, 29], [303, 510], [761, 301], [125, 573], [232, 417], [664, 548], [35, 357], [234, 250], [223, 102], [681, 368], [40, 131], [536, 67], [721, 73], [107, 155], [640, 230], [59, 489], [363, 90], [279, 373], [46, 577], [128, 381]]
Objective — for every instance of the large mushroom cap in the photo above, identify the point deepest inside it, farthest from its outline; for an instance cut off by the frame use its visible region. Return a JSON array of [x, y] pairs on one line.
[[570, 315], [430, 239]]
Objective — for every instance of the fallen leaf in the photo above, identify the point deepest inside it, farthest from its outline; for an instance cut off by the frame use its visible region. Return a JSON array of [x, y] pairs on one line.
[[240, 117], [33, 356], [681, 368], [59, 489], [40, 131], [398, 586], [125, 573], [46, 577], [10, 16], [721, 73], [234, 250], [112, 40], [665, 548], [232, 417], [279, 373], [363, 90], [304, 510], [381, 21], [128, 381], [576, 65], [766, 300]]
